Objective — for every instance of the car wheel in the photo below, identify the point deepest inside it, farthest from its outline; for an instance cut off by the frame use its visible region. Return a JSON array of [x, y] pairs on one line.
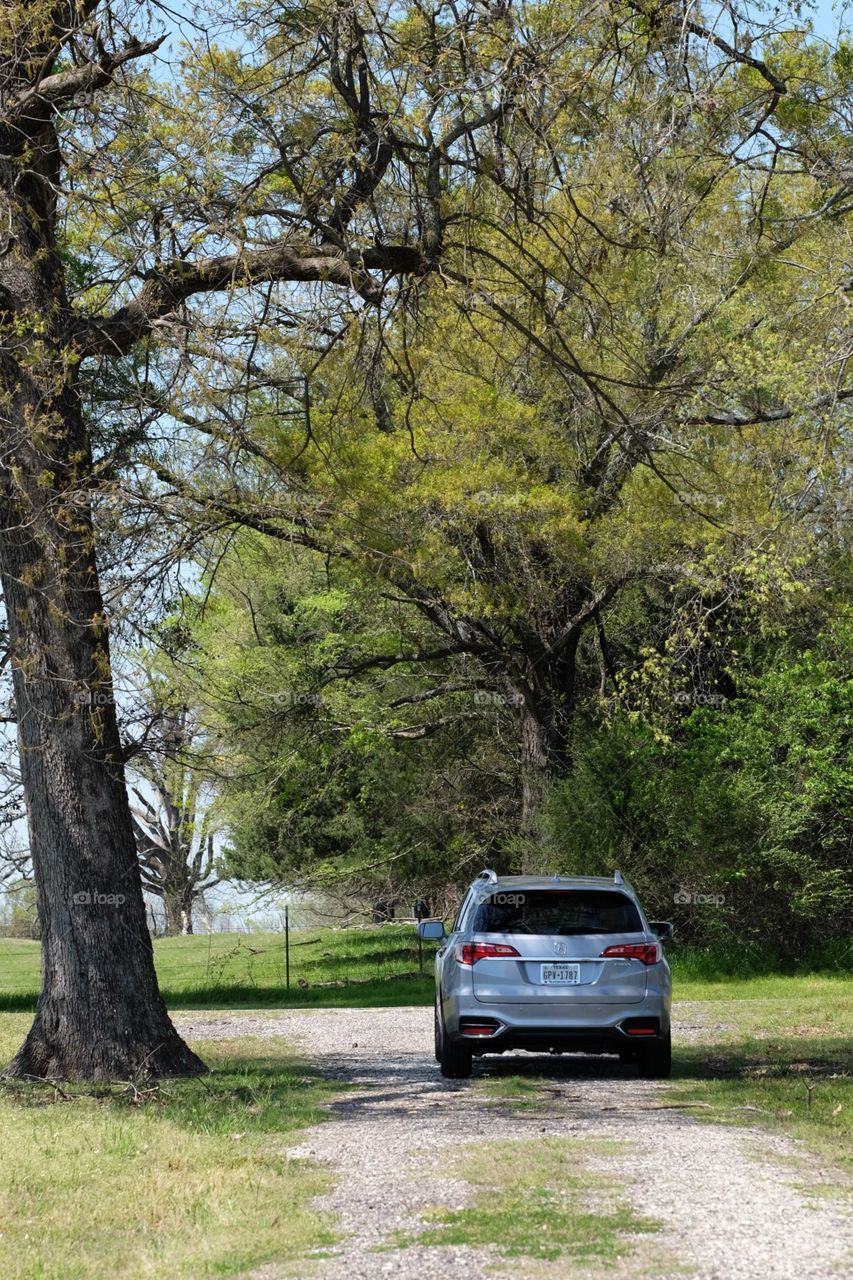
[[655, 1060], [453, 1059]]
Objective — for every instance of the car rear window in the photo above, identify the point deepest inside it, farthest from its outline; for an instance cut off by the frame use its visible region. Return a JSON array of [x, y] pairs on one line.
[[550, 911]]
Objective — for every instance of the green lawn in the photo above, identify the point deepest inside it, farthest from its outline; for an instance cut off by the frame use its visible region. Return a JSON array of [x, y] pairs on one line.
[[377, 965], [189, 1180], [775, 1052], [776, 1049], [179, 1181]]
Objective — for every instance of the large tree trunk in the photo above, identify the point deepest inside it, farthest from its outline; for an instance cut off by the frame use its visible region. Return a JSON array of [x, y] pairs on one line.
[[536, 768], [100, 1015], [178, 910], [537, 774], [545, 710]]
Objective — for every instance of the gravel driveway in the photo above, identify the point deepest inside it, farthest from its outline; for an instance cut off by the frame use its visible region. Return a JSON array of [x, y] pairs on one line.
[[726, 1197]]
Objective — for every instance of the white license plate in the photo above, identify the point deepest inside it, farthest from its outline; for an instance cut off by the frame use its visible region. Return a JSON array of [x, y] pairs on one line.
[[560, 973]]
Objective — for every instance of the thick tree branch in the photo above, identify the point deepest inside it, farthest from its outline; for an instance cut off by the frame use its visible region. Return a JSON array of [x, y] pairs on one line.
[[170, 285], [782, 414], [383, 662], [65, 85]]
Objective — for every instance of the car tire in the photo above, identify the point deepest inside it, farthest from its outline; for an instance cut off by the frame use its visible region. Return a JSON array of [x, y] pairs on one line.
[[655, 1060], [454, 1060]]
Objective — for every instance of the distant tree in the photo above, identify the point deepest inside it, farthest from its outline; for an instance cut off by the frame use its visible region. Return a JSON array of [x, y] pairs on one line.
[[173, 821], [330, 779], [738, 820], [19, 915]]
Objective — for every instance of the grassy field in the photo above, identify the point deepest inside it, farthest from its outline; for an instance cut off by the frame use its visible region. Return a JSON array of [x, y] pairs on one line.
[[777, 1053], [179, 1181], [775, 1049], [375, 965], [191, 1179]]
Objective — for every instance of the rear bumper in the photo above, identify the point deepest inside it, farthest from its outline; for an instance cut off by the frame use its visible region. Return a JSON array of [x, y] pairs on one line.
[[589, 1029], [631, 1034]]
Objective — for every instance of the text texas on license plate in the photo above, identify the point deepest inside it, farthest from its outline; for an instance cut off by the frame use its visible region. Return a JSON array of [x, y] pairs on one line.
[[565, 973]]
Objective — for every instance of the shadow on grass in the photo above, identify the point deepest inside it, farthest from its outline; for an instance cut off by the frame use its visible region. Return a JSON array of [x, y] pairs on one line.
[[777, 1058], [355, 995], [241, 1095]]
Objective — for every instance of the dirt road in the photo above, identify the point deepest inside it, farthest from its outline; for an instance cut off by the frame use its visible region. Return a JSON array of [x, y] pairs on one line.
[[732, 1204]]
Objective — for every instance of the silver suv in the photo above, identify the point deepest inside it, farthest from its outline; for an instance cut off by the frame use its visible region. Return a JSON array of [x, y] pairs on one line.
[[555, 965]]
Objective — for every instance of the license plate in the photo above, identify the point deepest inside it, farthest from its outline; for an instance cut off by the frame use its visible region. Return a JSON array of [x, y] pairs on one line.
[[560, 973]]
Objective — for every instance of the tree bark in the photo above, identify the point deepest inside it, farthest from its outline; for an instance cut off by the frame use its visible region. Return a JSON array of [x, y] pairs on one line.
[[545, 706], [100, 1015], [178, 910]]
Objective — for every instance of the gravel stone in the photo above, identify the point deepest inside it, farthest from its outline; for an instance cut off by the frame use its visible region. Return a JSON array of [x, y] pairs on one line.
[[724, 1196]]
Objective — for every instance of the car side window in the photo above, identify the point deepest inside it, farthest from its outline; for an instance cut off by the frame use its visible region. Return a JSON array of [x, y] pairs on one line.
[[460, 914]]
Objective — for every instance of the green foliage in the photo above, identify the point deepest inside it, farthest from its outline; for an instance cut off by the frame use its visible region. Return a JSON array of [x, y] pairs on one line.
[[332, 779], [595, 460], [739, 825]]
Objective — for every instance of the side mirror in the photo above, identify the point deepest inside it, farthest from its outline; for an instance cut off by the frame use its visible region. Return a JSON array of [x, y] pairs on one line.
[[662, 928], [431, 930]]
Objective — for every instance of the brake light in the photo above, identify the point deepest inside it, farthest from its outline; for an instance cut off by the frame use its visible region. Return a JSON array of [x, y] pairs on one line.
[[648, 952], [471, 952]]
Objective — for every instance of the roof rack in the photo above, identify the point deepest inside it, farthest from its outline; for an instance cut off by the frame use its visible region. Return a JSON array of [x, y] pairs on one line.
[[488, 874]]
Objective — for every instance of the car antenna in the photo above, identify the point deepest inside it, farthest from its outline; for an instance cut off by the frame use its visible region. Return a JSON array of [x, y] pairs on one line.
[[617, 877]]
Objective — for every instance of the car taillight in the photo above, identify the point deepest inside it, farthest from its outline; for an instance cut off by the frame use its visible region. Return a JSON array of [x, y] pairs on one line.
[[471, 952], [648, 952]]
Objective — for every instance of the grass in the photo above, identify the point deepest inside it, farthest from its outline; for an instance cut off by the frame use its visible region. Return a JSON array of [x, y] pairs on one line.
[[188, 1180], [374, 966], [778, 987], [774, 1051], [536, 1200], [777, 1054], [520, 1092]]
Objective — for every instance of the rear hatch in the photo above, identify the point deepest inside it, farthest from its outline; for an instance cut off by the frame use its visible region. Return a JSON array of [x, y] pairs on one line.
[[559, 935]]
